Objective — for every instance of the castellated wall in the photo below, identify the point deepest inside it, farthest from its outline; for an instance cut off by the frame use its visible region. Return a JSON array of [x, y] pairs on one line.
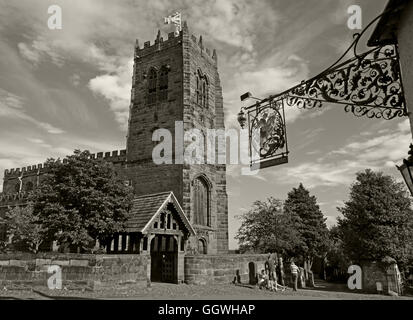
[[32, 176]]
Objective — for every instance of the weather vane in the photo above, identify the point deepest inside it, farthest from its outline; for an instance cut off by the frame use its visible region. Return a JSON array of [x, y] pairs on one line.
[[176, 20]]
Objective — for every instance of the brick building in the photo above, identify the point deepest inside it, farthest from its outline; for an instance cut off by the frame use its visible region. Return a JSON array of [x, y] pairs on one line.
[[179, 208]]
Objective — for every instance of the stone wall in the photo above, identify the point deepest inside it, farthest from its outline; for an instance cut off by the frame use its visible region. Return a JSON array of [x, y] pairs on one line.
[[371, 274], [204, 269], [78, 270]]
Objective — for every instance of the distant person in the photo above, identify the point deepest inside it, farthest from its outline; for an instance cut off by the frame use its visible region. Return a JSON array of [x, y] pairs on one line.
[[280, 272], [262, 279], [294, 273]]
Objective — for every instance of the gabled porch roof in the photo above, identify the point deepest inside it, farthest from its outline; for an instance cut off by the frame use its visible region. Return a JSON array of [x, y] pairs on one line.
[[147, 207]]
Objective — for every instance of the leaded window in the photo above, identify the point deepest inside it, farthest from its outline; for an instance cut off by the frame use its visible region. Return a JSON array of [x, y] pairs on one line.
[[152, 81], [202, 89], [163, 84], [201, 202]]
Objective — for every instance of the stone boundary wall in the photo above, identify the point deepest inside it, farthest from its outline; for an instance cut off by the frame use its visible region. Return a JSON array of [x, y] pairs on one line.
[[205, 269], [78, 270], [373, 272]]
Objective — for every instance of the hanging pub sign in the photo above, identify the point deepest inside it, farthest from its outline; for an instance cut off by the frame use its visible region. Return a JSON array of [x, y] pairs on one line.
[[267, 134]]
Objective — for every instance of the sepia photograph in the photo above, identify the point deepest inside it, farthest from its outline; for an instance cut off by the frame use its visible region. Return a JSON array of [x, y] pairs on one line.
[[210, 158]]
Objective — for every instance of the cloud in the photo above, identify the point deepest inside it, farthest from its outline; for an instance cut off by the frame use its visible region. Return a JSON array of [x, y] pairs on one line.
[[339, 166], [318, 174], [75, 79], [262, 81], [331, 221], [389, 147], [116, 89], [37, 51], [29, 54], [91, 35], [12, 107], [232, 22]]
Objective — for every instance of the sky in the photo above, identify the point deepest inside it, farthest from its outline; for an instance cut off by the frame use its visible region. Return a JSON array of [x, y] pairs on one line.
[[66, 89]]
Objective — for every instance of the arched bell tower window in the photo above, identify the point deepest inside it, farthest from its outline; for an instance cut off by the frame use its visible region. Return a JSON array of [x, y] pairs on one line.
[[201, 202], [163, 83], [202, 89], [152, 82]]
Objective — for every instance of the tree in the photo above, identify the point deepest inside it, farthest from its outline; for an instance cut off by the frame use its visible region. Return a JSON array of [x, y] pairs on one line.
[[335, 256], [24, 228], [81, 200], [266, 228], [377, 219], [310, 224]]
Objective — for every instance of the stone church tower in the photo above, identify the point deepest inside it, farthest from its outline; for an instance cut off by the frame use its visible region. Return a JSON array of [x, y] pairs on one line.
[[176, 86]]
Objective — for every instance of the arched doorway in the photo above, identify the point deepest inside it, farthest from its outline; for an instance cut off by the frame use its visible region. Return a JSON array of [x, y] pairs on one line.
[[164, 259]]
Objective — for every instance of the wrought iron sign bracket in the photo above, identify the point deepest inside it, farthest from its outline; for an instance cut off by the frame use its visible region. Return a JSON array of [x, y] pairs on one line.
[[368, 84]]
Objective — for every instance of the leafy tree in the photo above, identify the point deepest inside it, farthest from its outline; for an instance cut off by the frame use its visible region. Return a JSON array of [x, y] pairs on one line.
[[24, 228], [377, 219], [310, 224], [81, 200], [335, 256], [266, 228]]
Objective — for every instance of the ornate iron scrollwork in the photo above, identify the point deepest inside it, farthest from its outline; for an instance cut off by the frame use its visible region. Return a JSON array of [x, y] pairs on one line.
[[368, 84]]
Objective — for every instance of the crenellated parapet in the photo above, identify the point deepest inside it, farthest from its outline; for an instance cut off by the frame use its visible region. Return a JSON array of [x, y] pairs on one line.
[[29, 170], [114, 156], [161, 44], [198, 44]]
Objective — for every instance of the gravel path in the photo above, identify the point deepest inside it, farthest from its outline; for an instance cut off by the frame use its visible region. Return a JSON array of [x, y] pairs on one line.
[[165, 291]]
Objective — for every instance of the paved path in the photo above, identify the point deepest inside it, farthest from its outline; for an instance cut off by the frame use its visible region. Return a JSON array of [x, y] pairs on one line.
[[165, 291]]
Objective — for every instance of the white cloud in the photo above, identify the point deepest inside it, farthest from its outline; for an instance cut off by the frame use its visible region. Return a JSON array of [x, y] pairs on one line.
[[263, 81], [331, 221], [339, 167], [105, 40], [29, 54], [318, 174], [12, 106], [116, 89]]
